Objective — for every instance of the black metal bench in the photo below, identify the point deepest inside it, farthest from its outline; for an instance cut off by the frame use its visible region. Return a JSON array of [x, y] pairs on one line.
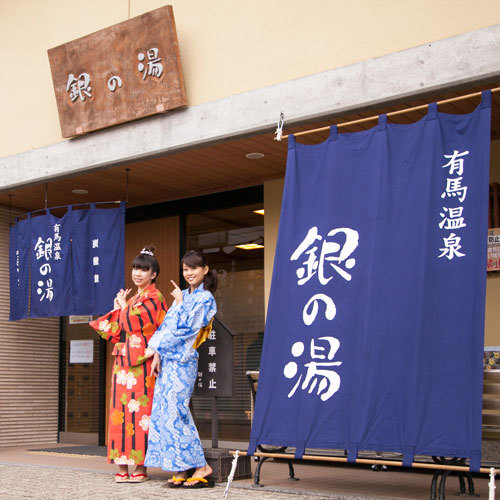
[[253, 379], [442, 466]]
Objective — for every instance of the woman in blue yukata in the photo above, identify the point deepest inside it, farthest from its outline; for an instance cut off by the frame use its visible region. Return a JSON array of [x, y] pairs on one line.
[[174, 443]]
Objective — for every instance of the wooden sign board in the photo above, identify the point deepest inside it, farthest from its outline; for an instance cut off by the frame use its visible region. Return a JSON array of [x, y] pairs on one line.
[[493, 249], [128, 71]]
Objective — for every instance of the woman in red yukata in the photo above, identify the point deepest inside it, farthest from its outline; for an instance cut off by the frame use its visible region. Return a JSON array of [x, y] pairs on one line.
[[129, 326]]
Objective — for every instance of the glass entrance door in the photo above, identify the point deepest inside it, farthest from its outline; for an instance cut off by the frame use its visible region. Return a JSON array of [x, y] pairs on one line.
[[82, 389], [232, 240]]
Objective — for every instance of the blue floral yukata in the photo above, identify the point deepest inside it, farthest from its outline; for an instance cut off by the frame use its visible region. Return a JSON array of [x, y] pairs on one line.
[[174, 443]]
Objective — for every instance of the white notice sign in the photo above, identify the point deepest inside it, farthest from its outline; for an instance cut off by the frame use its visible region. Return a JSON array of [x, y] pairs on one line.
[[81, 351], [79, 320]]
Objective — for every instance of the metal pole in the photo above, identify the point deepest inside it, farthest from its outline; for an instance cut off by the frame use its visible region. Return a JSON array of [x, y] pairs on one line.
[[392, 113], [491, 484], [126, 188], [393, 463], [215, 424]]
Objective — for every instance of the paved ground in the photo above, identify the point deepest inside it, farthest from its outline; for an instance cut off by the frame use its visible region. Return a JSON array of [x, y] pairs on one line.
[[53, 482], [26, 473]]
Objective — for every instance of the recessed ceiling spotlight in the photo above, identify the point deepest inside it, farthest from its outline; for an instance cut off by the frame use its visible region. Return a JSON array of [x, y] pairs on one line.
[[80, 191], [254, 156]]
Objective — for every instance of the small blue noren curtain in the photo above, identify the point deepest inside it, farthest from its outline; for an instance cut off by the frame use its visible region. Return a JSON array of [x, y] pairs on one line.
[[375, 327], [19, 244], [98, 257], [51, 283]]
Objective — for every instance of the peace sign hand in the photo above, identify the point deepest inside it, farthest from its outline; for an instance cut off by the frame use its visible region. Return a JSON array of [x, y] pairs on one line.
[[121, 297], [176, 293]]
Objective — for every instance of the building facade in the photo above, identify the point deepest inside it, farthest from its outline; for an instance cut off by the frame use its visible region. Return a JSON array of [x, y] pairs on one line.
[[186, 173]]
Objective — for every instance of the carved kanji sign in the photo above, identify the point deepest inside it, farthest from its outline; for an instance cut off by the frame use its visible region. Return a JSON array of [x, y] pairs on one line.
[[121, 73]]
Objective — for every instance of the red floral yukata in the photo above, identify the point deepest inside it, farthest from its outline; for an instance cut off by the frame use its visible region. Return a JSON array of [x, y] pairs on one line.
[[132, 388]]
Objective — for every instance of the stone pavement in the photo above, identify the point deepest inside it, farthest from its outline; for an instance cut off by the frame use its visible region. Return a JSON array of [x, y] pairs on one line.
[[26, 472], [45, 482]]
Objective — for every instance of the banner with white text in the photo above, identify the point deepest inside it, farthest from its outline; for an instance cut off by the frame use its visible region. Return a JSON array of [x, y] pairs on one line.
[[19, 244], [68, 265], [51, 284], [375, 328], [98, 257]]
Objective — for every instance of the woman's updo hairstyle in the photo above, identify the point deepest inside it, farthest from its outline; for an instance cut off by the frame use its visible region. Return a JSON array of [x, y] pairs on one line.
[[194, 259], [146, 260]]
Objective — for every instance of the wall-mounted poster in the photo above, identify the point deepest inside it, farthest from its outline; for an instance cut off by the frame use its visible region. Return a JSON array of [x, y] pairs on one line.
[[493, 249], [491, 360], [81, 351]]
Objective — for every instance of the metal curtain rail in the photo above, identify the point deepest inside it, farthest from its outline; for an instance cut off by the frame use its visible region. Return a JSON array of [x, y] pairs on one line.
[[392, 113], [64, 206], [394, 463]]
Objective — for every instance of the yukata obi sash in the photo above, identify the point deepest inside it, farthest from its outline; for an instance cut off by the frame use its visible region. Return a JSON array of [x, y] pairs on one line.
[[375, 328], [203, 334]]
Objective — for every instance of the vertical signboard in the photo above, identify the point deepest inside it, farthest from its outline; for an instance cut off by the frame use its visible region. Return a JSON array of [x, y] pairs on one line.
[[215, 364]]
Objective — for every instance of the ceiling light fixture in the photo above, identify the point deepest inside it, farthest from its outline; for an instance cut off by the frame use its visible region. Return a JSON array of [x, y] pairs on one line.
[[254, 156], [260, 211], [80, 191], [249, 246]]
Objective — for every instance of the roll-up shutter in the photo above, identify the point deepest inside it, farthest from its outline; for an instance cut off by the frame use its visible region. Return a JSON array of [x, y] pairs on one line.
[[29, 379]]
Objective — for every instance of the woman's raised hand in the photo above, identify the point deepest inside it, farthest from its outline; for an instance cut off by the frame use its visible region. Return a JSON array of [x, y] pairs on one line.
[[176, 292], [121, 297]]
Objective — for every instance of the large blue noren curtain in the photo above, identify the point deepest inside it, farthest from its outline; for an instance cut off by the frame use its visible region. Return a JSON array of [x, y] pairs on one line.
[[375, 328]]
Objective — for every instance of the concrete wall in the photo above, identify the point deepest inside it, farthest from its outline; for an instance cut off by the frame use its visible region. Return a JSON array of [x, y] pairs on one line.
[[227, 47]]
